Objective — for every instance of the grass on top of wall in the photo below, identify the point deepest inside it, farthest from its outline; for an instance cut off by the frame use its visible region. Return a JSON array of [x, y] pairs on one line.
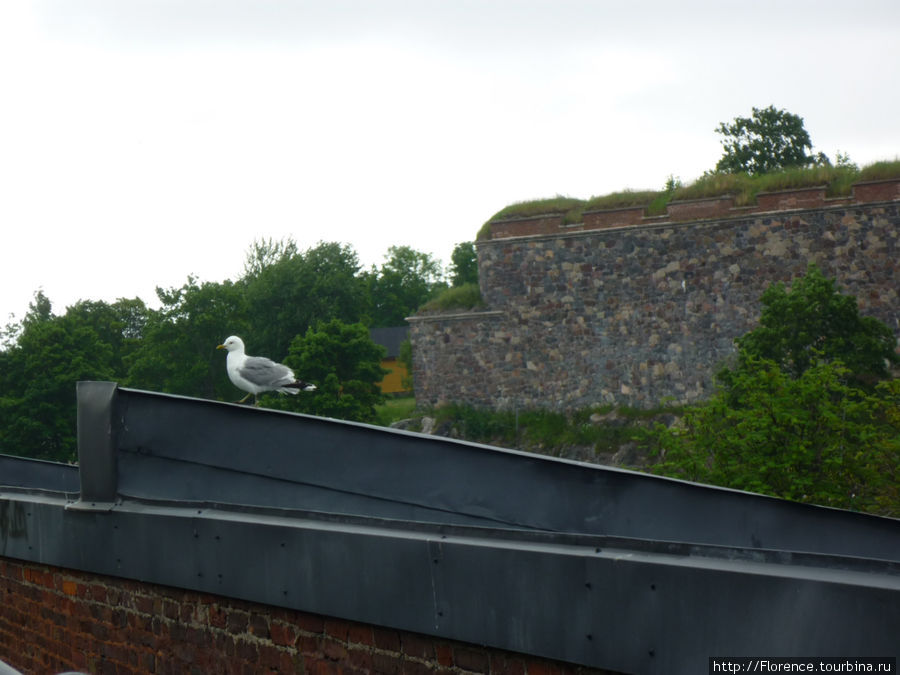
[[880, 170], [838, 181], [570, 206], [464, 297]]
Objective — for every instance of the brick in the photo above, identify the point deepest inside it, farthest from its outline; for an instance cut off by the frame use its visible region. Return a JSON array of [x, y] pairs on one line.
[[289, 663], [197, 636], [389, 664], [360, 658], [310, 623], [97, 592], [416, 667], [475, 660], [184, 611], [246, 650], [237, 621], [506, 664], [171, 609], [69, 587], [248, 668], [334, 650], [99, 631], [337, 628], [540, 667], [147, 604], [119, 618], [309, 645], [282, 633], [259, 625], [217, 616], [361, 634], [419, 646], [148, 662], [270, 656], [387, 639]]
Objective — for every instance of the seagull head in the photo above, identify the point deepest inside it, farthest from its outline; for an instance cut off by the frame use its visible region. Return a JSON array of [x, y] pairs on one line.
[[232, 344]]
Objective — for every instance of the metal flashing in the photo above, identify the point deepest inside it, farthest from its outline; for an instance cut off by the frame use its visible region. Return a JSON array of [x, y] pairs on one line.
[[595, 566]]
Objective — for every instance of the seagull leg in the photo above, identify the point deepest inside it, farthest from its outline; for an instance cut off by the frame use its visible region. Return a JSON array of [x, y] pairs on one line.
[[244, 400]]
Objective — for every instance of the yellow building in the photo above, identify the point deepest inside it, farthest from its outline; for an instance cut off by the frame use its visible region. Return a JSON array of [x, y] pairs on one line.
[[391, 338]]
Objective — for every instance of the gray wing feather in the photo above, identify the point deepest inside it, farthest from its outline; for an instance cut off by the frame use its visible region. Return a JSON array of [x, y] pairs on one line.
[[264, 372]]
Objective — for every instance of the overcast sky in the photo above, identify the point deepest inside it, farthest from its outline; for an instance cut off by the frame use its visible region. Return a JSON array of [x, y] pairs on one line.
[[145, 140]]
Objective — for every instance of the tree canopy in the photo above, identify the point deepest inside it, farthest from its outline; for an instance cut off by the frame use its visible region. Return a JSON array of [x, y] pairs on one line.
[[813, 322], [405, 281], [345, 365], [38, 373], [463, 264], [808, 410], [288, 290], [769, 140], [320, 294]]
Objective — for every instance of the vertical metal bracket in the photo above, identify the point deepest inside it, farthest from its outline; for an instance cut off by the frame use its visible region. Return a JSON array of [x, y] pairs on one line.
[[96, 446]]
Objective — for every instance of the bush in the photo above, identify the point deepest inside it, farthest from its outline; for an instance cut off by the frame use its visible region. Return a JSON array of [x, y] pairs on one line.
[[465, 297], [811, 439]]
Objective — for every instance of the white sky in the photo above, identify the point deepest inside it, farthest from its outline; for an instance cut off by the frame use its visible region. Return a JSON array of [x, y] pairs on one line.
[[145, 140]]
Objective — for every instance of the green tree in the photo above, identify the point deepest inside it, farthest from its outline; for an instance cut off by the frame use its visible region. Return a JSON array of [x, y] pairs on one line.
[[407, 279], [812, 322], [463, 264], [769, 140], [801, 414], [264, 253], [177, 354], [119, 325], [344, 364], [813, 438], [289, 291], [39, 372]]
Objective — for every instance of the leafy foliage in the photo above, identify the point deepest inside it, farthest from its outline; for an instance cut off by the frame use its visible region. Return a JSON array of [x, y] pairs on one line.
[[463, 264], [547, 431], [51, 354], [177, 353], [769, 140], [282, 294], [465, 297], [802, 415], [407, 279], [288, 291], [813, 438], [814, 322], [344, 364]]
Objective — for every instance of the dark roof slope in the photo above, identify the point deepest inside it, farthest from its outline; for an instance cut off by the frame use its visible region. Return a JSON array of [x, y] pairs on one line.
[[571, 561]]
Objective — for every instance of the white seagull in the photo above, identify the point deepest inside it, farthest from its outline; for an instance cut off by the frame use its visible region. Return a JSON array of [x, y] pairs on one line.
[[257, 374]]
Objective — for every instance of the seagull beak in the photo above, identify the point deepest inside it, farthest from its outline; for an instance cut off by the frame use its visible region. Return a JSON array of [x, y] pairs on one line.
[[220, 347]]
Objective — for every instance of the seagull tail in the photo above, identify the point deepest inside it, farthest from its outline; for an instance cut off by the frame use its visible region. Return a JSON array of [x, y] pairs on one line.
[[297, 387]]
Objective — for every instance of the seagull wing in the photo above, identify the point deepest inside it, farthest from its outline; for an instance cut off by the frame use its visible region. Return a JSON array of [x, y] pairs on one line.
[[265, 373]]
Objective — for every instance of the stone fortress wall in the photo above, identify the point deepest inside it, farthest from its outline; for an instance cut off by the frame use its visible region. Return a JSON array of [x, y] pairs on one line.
[[627, 310]]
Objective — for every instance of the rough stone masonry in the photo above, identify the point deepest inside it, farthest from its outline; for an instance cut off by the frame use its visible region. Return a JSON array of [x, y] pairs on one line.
[[640, 315]]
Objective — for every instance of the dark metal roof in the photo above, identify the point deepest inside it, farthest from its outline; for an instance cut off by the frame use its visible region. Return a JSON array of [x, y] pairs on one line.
[[593, 565]]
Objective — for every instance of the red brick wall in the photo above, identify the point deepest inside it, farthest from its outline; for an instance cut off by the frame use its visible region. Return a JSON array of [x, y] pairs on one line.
[[697, 209], [52, 620], [525, 226], [877, 191], [596, 220], [809, 198]]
